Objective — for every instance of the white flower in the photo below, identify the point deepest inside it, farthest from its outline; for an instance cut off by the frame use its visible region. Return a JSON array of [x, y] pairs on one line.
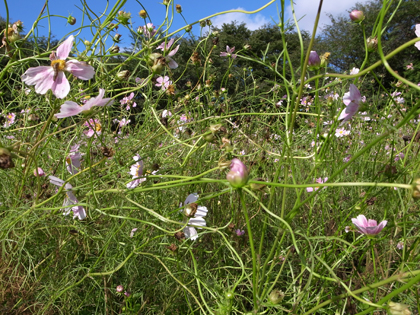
[[136, 170], [354, 71], [196, 219]]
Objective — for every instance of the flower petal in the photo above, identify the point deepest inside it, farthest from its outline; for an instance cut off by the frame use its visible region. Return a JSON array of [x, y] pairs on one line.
[[190, 232], [191, 198], [42, 77], [64, 49], [69, 109], [60, 87], [80, 69]]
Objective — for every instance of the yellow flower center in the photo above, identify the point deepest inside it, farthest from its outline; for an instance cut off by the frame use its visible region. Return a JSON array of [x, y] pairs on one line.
[[58, 64], [98, 127]]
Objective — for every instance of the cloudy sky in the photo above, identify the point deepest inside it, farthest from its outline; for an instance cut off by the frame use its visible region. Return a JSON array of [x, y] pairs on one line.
[[193, 10]]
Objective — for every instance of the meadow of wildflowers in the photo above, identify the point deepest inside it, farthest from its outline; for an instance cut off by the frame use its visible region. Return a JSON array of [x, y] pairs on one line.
[[131, 184]]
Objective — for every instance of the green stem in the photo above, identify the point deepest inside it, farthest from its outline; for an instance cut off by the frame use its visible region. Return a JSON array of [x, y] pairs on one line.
[[251, 244]]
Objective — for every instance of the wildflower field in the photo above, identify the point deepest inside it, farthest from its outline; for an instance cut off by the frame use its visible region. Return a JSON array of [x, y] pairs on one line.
[[210, 170]]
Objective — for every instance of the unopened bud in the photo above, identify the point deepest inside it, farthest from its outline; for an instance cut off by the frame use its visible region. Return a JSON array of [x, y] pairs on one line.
[[203, 23], [71, 20], [416, 188], [208, 22], [115, 49], [140, 30], [123, 75], [6, 159], [86, 42], [372, 44], [117, 38], [209, 138], [238, 175], [357, 16], [143, 14], [188, 28], [324, 60], [215, 128], [276, 296], [314, 61], [178, 8], [123, 17], [166, 2], [398, 309], [247, 47], [190, 210]]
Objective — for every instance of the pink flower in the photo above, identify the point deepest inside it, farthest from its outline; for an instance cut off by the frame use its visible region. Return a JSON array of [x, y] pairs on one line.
[[52, 77], [239, 232], [149, 30], [127, 100], [410, 66], [354, 71], [314, 60], [368, 227], [238, 175], [10, 120], [70, 108], [38, 172], [136, 170], [95, 127], [120, 288], [69, 200], [73, 163], [418, 35], [228, 53], [163, 82], [352, 100], [319, 181], [166, 113], [169, 61]]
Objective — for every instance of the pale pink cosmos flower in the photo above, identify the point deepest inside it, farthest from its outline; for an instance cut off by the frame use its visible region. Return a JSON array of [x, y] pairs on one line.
[[239, 232], [410, 66], [10, 120], [149, 30], [166, 113], [38, 172], [418, 35], [70, 199], [352, 101], [169, 61], [196, 220], [70, 108], [52, 77], [319, 181], [163, 82], [400, 245], [136, 170], [73, 163], [123, 122], [95, 127], [368, 227], [133, 231], [128, 100], [228, 53]]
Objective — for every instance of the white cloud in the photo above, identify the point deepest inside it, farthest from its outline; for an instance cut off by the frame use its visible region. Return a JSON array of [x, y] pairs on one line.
[[309, 8], [252, 21]]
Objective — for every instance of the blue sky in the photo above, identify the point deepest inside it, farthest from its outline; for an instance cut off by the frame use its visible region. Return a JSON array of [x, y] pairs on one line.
[[28, 10]]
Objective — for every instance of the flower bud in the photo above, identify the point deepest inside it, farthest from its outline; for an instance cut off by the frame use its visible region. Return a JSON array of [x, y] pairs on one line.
[[123, 17], [416, 188], [39, 172], [238, 175], [123, 75], [117, 38], [215, 128], [86, 42], [6, 159], [255, 186], [372, 44], [71, 20], [190, 210], [166, 2], [247, 47], [324, 60], [314, 60], [120, 288], [140, 30], [203, 23], [398, 309], [208, 22], [276, 296], [143, 14], [178, 8], [209, 138], [188, 28], [357, 16], [115, 49]]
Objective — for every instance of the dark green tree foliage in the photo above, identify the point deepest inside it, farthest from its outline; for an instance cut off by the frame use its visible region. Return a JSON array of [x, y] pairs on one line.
[[344, 39]]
